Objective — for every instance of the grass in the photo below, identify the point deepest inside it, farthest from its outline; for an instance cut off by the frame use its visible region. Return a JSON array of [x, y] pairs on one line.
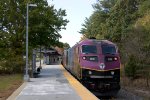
[[7, 81], [8, 84]]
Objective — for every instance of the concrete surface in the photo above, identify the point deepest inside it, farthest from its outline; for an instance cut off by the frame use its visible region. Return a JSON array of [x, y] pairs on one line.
[[50, 85]]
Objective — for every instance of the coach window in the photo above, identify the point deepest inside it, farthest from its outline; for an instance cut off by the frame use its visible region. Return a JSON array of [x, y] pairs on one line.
[[89, 49]]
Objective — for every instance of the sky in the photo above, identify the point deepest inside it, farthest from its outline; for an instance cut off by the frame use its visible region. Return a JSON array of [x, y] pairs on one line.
[[77, 11]]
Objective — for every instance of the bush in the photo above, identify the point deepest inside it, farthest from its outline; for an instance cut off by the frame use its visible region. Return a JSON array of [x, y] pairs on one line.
[[131, 67], [12, 65]]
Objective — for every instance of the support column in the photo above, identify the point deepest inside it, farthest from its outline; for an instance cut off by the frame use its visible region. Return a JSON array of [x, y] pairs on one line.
[[33, 62]]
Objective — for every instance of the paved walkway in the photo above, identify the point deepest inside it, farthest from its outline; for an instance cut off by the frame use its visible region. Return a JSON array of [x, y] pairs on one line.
[[53, 83], [50, 85]]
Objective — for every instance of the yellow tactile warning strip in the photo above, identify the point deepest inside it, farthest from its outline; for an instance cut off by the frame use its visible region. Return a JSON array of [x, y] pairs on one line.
[[80, 89]]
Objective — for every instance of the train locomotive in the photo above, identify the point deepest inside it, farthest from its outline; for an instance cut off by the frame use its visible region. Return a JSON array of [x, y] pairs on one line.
[[95, 63]]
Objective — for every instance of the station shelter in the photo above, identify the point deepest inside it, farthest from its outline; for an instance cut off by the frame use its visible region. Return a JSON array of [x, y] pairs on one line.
[[51, 56]]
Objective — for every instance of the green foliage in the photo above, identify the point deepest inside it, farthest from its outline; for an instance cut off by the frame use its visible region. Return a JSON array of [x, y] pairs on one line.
[[45, 23], [121, 17], [144, 7], [66, 46], [131, 67], [94, 26], [12, 64]]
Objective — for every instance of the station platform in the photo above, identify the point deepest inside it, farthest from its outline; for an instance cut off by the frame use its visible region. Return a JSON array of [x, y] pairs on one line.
[[53, 83]]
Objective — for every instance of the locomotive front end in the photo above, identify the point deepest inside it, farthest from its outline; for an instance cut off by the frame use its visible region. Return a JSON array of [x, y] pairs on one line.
[[100, 63]]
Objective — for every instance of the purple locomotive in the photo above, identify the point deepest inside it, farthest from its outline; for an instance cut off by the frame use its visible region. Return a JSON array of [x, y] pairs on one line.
[[96, 63]]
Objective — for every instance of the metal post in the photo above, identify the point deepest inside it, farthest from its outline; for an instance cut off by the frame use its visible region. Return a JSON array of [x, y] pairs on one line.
[[26, 76], [40, 58]]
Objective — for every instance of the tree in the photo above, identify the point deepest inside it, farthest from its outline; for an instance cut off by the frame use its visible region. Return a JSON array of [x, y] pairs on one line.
[[45, 31], [66, 46], [122, 16], [94, 25], [45, 22]]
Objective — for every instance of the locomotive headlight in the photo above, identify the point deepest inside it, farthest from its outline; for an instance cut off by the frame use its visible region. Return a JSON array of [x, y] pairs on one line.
[[90, 72], [115, 58], [84, 58], [112, 72], [102, 66]]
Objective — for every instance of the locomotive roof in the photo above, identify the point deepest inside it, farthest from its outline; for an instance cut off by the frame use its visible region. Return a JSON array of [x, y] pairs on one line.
[[96, 41]]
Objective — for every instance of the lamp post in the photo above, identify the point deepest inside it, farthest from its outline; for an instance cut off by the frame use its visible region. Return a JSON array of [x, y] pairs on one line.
[[26, 76]]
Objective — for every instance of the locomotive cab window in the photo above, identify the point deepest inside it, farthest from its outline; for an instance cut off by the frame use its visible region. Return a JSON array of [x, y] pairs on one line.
[[106, 49], [89, 49]]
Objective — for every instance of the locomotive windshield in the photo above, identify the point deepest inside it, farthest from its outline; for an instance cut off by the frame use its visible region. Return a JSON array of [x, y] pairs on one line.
[[89, 49], [108, 49]]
